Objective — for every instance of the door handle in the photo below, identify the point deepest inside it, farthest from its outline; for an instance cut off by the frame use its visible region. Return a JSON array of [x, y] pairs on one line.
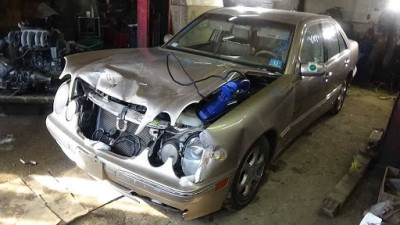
[[346, 62], [329, 74]]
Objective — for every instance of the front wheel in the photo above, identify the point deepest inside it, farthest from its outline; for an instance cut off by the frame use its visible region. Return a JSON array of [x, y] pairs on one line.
[[248, 178], [338, 104]]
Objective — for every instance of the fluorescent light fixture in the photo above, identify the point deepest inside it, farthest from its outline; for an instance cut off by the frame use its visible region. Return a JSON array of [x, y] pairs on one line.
[[243, 9], [393, 5]]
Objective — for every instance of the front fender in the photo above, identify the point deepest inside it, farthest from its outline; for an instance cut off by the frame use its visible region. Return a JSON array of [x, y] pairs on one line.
[[235, 132]]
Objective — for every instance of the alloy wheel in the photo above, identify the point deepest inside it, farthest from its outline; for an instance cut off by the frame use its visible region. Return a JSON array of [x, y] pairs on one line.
[[341, 96], [250, 174]]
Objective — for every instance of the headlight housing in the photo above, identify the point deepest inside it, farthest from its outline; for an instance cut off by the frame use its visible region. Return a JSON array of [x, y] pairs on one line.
[[199, 156], [192, 155], [72, 108], [61, 98]]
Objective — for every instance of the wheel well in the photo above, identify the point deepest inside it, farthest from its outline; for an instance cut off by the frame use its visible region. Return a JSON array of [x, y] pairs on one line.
[[272, 138], [349, 77]]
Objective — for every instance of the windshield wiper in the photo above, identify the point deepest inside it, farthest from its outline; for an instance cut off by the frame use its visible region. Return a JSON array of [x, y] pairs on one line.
[[268, 70]]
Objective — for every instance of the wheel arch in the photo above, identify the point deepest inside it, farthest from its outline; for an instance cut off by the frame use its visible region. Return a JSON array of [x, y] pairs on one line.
[[349, 77], [270, 137]]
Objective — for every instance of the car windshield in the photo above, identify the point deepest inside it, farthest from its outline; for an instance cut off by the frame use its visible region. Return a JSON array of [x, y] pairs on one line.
[[244, 40]]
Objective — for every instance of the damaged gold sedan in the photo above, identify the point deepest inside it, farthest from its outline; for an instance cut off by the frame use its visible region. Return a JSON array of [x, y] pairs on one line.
[[193, 124]]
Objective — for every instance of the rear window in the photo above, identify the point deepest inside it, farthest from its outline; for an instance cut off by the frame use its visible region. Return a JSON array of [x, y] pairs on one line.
[[342, 43], [329, 33]]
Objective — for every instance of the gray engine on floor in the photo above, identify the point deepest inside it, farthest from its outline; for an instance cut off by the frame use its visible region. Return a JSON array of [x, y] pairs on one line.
[[31, 58]]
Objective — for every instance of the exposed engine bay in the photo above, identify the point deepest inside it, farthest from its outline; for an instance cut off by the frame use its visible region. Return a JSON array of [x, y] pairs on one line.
[[32, 59], [114, 123]]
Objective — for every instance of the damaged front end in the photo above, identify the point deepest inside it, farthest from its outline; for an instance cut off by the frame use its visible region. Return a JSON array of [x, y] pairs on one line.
[[152, 140], [163, 162], [113, 126]]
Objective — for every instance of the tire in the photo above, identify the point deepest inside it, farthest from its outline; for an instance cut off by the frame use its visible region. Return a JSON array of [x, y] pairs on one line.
[[249, 176], [338, 104]]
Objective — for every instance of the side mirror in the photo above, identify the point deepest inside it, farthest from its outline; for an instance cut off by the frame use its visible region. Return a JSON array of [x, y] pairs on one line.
[[167, 37], [312, 69]]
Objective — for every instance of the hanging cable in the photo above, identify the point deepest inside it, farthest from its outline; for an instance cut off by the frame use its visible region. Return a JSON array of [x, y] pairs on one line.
[[192, 81]]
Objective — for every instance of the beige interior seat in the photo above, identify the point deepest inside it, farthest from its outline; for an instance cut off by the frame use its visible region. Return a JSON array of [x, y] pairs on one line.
[[238, 44]]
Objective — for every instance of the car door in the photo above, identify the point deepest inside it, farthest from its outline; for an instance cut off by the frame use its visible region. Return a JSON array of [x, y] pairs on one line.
[[309, 90], [344, 56], [335, 60]]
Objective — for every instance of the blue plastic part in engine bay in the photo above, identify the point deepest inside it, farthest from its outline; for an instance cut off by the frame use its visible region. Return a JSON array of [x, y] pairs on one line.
[[226, 94]]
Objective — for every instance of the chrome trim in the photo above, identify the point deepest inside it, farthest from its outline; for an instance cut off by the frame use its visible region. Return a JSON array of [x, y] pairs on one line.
[[286, 130], [328, 96], [132, 178]]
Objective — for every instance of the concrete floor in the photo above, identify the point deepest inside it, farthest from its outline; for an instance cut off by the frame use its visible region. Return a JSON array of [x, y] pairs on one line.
[[292, 194]]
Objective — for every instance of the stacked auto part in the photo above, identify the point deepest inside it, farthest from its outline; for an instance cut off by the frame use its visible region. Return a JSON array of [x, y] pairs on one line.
[[31, 58]]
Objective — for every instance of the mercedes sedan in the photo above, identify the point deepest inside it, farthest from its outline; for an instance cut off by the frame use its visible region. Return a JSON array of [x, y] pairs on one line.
[[193, 124]]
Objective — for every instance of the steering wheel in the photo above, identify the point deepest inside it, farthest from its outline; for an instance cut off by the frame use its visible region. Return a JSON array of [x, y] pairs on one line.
[[262, 52]]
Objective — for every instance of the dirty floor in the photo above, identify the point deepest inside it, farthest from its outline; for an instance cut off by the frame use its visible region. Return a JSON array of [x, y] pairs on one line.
[[292, 194]]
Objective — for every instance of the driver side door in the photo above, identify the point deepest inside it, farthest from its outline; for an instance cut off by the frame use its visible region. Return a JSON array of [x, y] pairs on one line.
[[309, 90]]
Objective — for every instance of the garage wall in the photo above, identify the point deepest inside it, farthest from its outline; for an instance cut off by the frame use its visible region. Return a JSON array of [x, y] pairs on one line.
[[11, 14], [363, 13], [185, 11], [355, 10], [286, 4]]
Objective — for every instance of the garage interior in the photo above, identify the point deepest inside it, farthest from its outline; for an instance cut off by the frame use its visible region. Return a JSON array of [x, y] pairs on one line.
[[333, 173]]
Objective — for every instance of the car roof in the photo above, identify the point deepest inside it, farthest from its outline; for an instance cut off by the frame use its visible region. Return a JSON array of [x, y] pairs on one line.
[[286, 16]]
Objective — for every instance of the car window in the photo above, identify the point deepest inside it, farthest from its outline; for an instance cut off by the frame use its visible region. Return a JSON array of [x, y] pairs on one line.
[[342, 43], [312, 49], [245, 40], [198, 35], [331, 42]]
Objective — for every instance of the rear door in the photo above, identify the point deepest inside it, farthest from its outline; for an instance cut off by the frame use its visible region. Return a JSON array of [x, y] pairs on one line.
[[336, 59], [344, 53]]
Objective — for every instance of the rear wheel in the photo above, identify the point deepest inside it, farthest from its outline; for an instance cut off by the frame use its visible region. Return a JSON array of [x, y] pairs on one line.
[[248, 178], [338, 104]]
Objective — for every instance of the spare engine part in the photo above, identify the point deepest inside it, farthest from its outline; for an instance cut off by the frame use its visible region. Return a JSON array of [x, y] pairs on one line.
[[30, 59]]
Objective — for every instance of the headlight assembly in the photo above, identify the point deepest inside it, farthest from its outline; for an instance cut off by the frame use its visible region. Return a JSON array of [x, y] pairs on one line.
[[198, 155], [61, 98], [192, 156], [72, 108]]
